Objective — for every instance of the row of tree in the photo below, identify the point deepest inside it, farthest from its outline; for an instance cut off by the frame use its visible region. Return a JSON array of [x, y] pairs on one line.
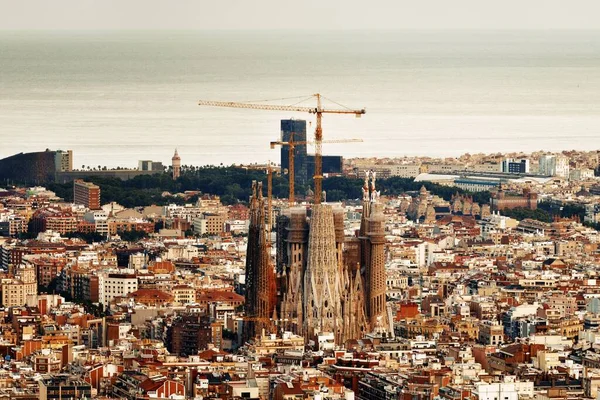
[[546, 212], [233, 184]]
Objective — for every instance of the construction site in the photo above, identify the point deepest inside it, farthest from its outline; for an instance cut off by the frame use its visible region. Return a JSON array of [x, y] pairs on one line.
[[313, 281]]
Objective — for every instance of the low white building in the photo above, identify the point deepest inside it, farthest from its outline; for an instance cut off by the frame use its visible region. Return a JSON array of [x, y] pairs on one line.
[[111, 286]]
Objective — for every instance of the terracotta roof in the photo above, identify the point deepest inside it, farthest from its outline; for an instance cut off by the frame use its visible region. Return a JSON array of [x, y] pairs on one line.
[[219, 295], [150, 294]]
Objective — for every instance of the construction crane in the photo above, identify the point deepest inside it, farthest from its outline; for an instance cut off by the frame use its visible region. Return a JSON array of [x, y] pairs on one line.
[[291, 146], [318, 111]]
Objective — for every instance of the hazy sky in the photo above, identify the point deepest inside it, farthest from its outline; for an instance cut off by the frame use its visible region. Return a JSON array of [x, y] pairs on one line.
[[301, 14]]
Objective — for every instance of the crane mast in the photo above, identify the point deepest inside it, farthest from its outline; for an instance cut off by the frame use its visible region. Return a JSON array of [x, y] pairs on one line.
[[318, 111], [291, 157], [292, 168]]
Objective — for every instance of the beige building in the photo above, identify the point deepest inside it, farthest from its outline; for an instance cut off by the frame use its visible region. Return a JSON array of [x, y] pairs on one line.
[[215, 223], [63, 160], [183, 294], [271, 344], [546, 360], [486, 167], [16, 290], [491, 333], [388, 170]]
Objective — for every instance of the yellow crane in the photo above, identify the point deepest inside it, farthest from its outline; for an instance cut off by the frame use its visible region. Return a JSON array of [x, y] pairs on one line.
[[318, 111], [291, 146]]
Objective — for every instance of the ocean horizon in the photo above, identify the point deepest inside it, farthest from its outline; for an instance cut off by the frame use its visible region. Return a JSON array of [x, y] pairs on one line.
[[118, 97]]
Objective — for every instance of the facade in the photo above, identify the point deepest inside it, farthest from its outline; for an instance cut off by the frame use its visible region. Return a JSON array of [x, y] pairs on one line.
[[184, 294], [491, 333], [388, 170], [581, 174], [476, 184], [554, 165], [12, 225], [502, 200], [16, 290], [405, 170], [292, 247], [487, 167], [55, 220], [332, 286], [99, 220], [86, 194], [126, 225], [47, 269], [116, 285], [62, 387], [189, 334], [322, 283], [215, 223], [35, 167]]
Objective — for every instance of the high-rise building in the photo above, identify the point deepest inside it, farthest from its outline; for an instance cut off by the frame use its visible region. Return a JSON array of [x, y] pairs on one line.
[[86, 194], [63, 160], [294, 130], [176, 165], [554, 165]]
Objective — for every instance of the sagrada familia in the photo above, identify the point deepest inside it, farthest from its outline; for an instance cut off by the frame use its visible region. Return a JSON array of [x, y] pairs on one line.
[[322, 283]]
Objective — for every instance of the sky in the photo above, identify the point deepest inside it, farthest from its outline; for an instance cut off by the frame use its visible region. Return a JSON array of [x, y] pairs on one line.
[[298, 15]]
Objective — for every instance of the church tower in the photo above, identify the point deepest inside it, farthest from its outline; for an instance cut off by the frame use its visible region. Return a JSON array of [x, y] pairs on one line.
[[373, 256], [322, 297], [176, 165]]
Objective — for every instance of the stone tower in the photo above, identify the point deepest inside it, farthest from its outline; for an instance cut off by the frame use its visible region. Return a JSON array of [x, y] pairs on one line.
[[252, 260], [373, 259], [292, 309], [377, 310], [322, 284], [176, 165], [260, 278]]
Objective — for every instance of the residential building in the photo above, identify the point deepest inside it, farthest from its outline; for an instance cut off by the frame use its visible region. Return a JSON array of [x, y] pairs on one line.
[[112, 286], [86, 194], [64, 387]]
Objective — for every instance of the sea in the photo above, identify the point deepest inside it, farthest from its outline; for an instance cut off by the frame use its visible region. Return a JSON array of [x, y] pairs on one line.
[[116, 97]]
